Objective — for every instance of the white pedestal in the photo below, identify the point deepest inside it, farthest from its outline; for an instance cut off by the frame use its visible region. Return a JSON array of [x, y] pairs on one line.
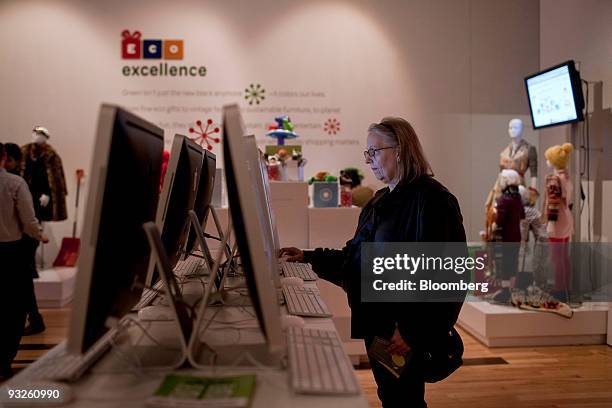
[[290, 206], [505, 326], [332, 227], [55, 287]]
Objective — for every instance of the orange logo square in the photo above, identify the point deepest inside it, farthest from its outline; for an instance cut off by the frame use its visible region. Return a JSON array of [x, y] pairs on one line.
[[173, 49]]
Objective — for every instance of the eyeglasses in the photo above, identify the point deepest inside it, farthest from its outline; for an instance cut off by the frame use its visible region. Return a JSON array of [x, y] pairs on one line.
[[371, 152]]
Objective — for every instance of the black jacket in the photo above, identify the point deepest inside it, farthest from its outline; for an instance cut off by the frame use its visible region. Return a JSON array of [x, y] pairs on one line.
[[421, 211]]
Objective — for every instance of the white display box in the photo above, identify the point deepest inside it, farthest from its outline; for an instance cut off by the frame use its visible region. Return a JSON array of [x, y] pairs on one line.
[[332, 227], [55, 287], [290, 206], [506, 326]]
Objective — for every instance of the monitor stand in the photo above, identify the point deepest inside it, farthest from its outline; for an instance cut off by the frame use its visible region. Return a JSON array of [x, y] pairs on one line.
[[158, 347], [201, 354], [218, 294]]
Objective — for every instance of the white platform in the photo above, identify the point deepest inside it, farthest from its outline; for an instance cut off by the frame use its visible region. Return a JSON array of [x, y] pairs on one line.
[[55, 287], [506, 326], [331, 227], [289, 201]]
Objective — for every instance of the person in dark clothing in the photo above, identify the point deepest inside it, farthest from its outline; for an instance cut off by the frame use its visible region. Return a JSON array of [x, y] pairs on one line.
[[413, 208], [29, 246], [16, 218]]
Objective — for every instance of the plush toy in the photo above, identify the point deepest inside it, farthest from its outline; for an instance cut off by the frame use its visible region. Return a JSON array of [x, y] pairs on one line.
[[354, 174], [322, 176]]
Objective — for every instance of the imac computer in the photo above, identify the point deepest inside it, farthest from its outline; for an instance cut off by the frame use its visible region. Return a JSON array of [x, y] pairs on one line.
[[124, 179], [202, 202], [256, 163], [177, 198], [250, 237]]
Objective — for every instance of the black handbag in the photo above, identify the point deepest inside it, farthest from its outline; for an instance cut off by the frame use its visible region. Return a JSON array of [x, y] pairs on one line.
[[444, 358]]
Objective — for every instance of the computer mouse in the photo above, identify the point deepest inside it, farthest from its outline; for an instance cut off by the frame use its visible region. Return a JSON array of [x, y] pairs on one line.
[[292, 281], [192, 291], [155, 313], [57, 394], [292, 321]]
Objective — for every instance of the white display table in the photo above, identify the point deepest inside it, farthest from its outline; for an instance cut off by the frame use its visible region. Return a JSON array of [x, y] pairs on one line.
[[505, 326]]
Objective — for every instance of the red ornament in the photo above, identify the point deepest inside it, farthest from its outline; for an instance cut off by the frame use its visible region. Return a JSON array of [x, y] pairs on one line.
[[205, 134]]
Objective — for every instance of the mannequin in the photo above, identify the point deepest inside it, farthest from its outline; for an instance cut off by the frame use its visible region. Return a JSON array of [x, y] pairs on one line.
[[520, 156], [558, 206], [42, 169], [508, 215]]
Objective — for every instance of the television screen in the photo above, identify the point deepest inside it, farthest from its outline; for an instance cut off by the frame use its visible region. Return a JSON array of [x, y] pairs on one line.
[[555, 96]]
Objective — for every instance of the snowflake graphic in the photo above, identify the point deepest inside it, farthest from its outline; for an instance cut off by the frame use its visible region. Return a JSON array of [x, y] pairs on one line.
[[331, 126], [204, 135], [254, 93]]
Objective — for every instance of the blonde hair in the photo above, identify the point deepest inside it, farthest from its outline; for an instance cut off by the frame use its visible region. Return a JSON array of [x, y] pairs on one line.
[[559, 155], [412, 163]]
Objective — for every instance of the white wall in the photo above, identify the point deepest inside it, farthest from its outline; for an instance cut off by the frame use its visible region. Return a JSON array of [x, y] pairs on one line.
[[454, 68], [582, 31]]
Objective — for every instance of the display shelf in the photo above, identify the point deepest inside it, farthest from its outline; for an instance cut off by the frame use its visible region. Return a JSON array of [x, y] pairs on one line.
[[55, 287]]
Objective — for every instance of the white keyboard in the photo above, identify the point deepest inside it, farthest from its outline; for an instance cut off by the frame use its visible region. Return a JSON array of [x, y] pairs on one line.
[[304, 301], [148, 295], [59, 365], [192, 266], [300, 270], [318, 364]]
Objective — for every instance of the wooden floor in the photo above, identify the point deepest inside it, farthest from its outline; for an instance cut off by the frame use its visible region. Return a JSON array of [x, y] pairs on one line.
[[529, 377]]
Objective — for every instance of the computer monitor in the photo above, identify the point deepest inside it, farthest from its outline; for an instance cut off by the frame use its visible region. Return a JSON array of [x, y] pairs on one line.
[[555, 96], [203, 199], [177, 198], [124, 190], [247, 224], [262, 203]]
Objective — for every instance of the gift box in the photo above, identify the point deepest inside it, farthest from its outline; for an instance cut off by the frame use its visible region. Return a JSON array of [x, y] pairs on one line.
[[131, 45], [325, 194]]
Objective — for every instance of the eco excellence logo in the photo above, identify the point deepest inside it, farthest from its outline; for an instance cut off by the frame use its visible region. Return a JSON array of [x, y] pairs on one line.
[[135, 48]]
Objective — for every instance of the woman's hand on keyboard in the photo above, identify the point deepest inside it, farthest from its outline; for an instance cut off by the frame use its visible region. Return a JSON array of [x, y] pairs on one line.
[[292, 254]]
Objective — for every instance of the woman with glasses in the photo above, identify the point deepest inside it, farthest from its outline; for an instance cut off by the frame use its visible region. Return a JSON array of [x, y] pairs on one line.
[[414, 207]]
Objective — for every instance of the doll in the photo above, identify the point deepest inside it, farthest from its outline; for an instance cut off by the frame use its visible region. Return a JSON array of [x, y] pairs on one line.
[[508, 215], [558, 206], [533, 224]]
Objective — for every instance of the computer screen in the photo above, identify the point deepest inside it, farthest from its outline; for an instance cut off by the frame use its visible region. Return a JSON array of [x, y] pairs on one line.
[[203, 197], [248, 227], [555, 96], [124, 191], [177, 199]]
